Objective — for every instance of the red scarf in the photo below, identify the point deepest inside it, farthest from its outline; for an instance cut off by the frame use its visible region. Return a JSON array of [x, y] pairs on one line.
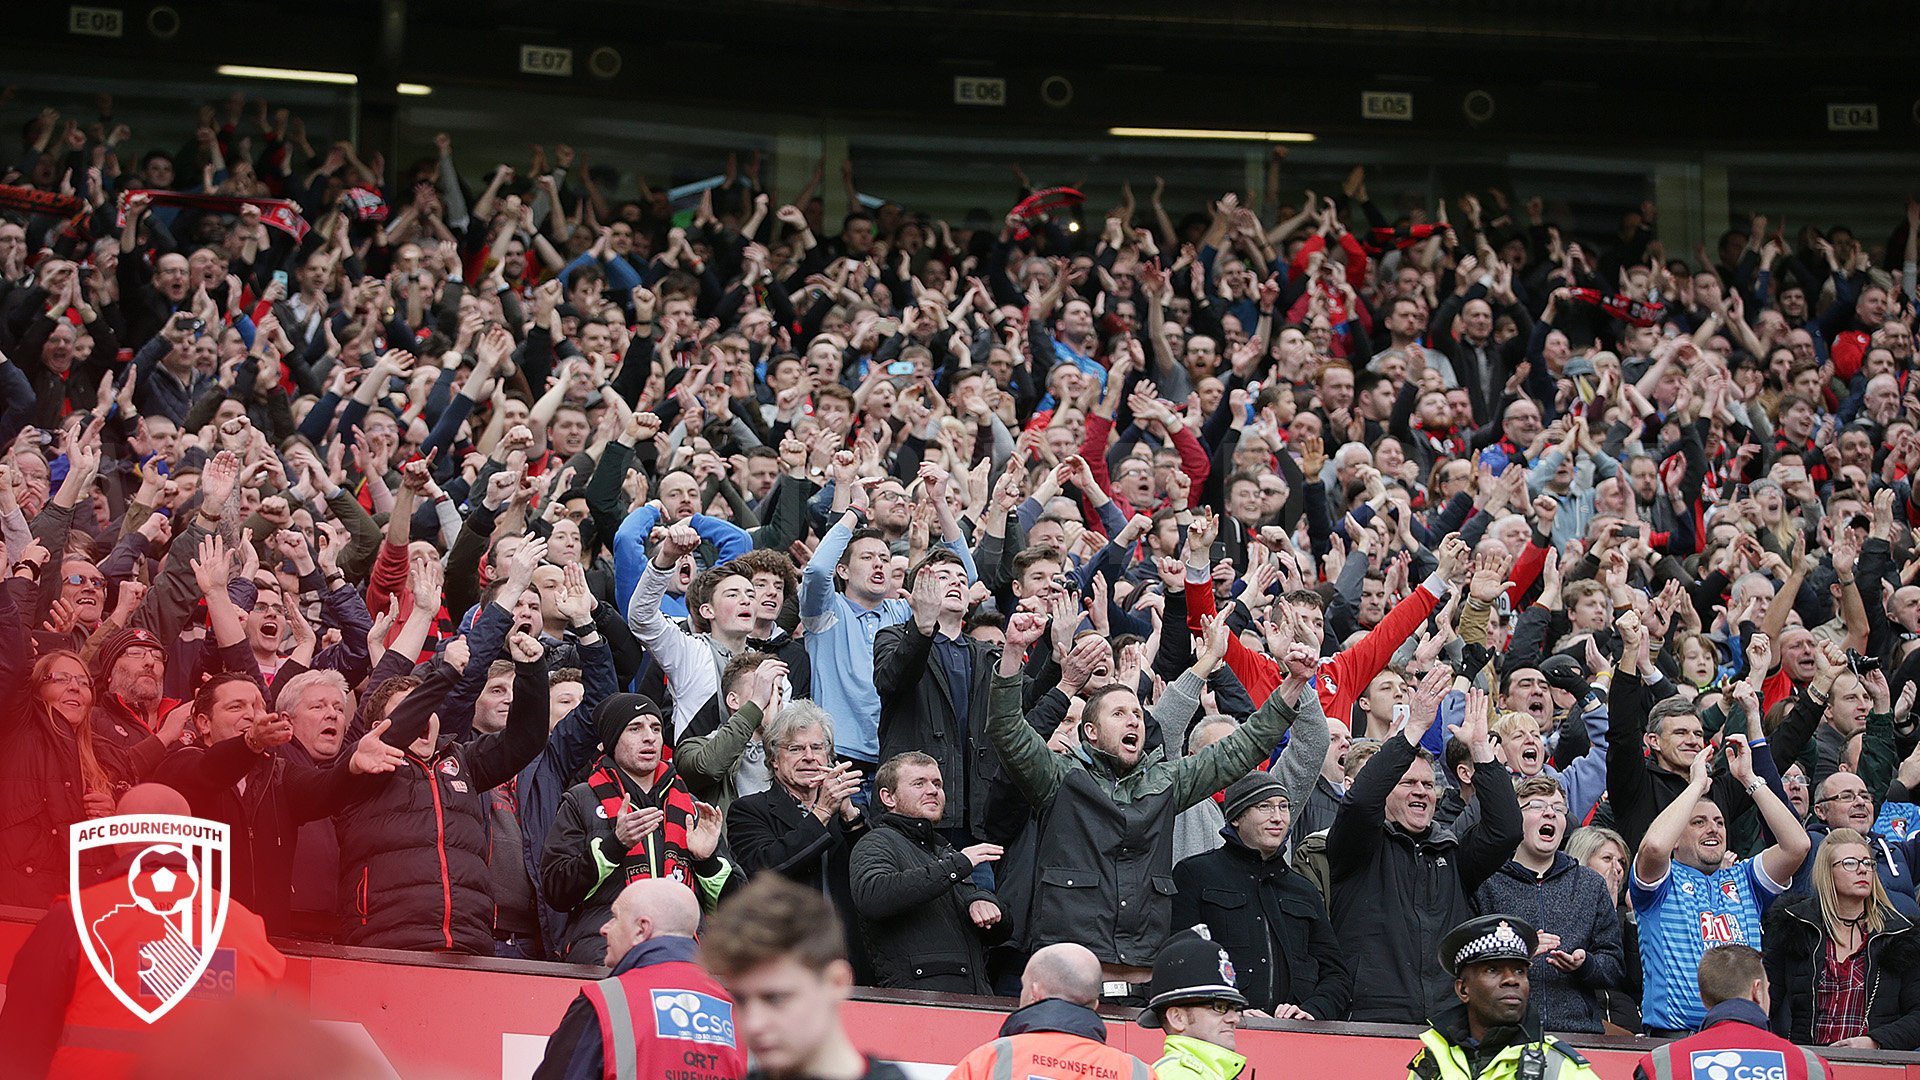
[[30, 201], [663, 852], [280, 214], [1381, 241], [1624, 308]]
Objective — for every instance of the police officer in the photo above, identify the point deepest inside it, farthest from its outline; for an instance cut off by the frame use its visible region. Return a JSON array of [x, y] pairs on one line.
[[1488, 1036], [1733, 987], [1194, 998], [650, 939]]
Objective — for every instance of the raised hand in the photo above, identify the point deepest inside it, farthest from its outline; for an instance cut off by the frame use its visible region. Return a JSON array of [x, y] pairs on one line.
[[574, 602]]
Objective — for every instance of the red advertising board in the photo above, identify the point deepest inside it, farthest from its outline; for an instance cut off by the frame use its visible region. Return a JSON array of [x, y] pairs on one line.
[[486, 1018]]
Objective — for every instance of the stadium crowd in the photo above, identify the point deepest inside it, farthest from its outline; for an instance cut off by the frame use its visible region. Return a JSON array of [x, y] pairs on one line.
[[478, 543]]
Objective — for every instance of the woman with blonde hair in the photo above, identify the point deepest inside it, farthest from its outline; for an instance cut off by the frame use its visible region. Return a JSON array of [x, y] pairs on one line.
[[1843, 965], [1605, 852]]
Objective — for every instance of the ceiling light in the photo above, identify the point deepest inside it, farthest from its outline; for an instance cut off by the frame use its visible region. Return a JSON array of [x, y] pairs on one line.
[[414, 89], [244, 71], [1213, 133]]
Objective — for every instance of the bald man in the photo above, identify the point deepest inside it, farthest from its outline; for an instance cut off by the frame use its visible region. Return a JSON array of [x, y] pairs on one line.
[[1056, 1021], [61, 1017], [617, 1026]]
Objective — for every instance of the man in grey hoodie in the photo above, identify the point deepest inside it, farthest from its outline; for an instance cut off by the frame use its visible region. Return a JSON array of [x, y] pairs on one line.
[[1579, 929]]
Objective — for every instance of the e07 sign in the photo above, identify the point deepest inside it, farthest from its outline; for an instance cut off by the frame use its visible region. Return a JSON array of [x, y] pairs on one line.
[[1856, 117], [979, 90], [545, 60]]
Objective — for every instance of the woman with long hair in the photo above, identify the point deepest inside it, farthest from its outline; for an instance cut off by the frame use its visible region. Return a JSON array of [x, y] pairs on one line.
[[1844, 966], [53, 772]]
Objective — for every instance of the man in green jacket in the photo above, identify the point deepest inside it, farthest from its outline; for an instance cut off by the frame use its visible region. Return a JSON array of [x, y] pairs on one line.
[[1198, 1002], [1104, 864]]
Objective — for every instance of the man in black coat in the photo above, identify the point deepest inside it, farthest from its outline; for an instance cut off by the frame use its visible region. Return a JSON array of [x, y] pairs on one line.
[[804, 826], [934, 681], [1400, 882], [1271, 920], [279, 795], [920, 912]]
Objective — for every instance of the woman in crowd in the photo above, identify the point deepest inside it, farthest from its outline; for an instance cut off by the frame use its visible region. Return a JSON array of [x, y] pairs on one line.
[[1842, 965]]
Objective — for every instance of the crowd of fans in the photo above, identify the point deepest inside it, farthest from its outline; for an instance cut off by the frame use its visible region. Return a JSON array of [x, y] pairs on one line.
[[477, 543]]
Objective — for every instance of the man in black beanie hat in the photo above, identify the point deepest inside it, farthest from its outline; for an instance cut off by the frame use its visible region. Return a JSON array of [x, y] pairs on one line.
[[632, 818], [1270, 919]]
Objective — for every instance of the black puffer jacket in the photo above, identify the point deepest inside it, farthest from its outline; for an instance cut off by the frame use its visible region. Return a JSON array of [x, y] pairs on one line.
[[1272, 923], [1795, 935], [1396, 893], [415, 857], [913, 891]]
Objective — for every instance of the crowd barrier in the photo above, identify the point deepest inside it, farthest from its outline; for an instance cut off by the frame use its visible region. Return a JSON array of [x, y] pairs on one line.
[[479, 1018]]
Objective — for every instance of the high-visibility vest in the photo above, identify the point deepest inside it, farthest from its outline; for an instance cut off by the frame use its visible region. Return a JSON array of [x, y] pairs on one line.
[[1549, 1059], [1725, 1048], [102, 1037], [667, 1021], [1049, 1055]]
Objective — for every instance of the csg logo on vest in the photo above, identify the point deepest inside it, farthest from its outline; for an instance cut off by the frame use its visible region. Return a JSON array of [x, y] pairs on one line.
[[1738, 1065], [151, 937], [701, 1018]]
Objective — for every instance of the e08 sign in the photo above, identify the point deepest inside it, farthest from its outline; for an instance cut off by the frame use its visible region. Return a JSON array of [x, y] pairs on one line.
[[94, 21]]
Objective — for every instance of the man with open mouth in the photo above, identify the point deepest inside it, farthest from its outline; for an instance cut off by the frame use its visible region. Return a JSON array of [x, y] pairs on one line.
[[1570, 904]]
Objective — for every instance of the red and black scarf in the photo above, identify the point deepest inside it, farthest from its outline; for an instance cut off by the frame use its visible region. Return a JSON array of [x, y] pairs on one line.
[[281, 214], [1381, 241], [26, 200], [1624, 308], [663, 852]]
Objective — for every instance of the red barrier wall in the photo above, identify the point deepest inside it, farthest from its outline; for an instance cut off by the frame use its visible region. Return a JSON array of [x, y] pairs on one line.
[[458, 1017]]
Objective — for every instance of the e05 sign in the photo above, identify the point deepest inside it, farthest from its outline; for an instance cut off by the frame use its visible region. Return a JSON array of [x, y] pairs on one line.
[[1386, 105]]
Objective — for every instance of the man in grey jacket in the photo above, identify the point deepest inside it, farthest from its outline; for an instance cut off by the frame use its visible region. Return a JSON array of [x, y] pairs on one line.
[[1105, 860]]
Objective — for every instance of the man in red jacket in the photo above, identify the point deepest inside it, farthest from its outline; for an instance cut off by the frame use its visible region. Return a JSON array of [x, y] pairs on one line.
[[659, 1016], [1344, 676], [1735, 1040]]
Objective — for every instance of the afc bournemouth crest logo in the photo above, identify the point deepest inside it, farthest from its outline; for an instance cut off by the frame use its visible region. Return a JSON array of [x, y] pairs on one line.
[[151, 931]]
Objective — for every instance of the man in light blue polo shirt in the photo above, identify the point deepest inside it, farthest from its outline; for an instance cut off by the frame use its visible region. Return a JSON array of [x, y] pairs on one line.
[[1691, 898], [847, 596]]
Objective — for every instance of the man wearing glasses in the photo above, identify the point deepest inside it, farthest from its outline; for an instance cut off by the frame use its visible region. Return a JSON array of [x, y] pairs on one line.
[[1844, 801], [1270, 919], [1195, 999]]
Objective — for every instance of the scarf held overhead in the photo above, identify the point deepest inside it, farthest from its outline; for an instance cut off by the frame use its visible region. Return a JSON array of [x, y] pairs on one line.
[[281, 214]]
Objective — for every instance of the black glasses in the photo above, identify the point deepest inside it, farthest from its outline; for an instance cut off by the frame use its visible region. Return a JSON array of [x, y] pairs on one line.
[[1853, 864]]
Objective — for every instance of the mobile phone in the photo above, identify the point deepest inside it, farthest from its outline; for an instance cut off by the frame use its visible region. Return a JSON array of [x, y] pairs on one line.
[[1628, 532], [900, 367], [280, 278], [1400, 715]]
